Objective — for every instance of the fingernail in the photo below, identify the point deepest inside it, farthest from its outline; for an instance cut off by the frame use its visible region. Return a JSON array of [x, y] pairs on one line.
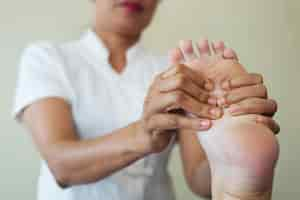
[[234, 109], [204, 124], [216, 112], [212, 101]]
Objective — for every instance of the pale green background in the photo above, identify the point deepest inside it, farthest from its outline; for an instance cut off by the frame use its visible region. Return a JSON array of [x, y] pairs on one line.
[[264, 32]]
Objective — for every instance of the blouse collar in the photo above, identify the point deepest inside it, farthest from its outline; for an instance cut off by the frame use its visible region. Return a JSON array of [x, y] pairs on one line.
[[94, 43]]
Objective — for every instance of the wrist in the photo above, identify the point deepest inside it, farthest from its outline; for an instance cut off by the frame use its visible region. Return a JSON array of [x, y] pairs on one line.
[[140, 140]]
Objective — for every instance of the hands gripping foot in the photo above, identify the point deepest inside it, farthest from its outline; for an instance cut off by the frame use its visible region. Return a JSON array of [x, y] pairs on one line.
[[242, 154]]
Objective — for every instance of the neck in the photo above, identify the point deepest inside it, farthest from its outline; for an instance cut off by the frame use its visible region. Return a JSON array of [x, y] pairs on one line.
[[117, 45]]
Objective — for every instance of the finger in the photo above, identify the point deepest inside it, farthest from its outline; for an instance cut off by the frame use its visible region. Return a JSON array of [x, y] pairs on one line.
[[176, 56], [193, 75], [254, 106], [173, 70], [202, 110], [230, 54], [162, 102], [218, 47], [184, 83], [204, 48], [241, 81], [274, 106], [239, 94], [174, 121], [157, 102], [180, 100], [269, 122], [187, 50]]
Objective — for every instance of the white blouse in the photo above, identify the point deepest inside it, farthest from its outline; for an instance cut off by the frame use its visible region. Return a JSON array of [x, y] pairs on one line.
[[102, 101]]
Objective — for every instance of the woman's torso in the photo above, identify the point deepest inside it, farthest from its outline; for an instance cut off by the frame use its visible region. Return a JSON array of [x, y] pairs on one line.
[[103, 101]]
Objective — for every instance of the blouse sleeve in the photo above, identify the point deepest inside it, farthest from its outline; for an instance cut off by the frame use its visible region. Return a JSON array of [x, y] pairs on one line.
[[41, 75]]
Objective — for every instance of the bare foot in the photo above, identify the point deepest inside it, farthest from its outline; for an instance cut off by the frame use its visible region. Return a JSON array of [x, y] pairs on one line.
[[242, 154]]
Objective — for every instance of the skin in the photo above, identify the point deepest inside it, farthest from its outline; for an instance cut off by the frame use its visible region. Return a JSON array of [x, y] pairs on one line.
[[75, 161], [120, 29], [232, 136]]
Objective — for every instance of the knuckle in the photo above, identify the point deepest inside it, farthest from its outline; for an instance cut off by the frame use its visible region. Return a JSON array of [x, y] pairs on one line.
[[147, 122], [267, 120], [264, 91], [147, 118], [157, 78], [180, 80], [145, 109], [147, 101], [179, 68], [152, 87], [233, 96], [204, 110], [246, 108], [274, 105], [263, 120], [173, 121], [178, 97], [203, 96], [259, 77]]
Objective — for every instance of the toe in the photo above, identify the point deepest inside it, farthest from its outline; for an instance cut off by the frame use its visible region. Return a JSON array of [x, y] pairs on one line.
[[176, 56], [230, 54], [218, 47], [203, 47], [187, 50]]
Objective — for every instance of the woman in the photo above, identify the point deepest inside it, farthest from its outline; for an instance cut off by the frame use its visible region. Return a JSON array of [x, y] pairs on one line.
[[83, 104]]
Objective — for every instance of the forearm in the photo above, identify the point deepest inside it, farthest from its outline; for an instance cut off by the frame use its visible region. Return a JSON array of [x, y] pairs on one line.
[[200, 180], [195, 164], [84, 161]]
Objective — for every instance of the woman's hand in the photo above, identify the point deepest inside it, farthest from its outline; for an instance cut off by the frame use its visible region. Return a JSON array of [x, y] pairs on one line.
[[179, 88], [248, 95]]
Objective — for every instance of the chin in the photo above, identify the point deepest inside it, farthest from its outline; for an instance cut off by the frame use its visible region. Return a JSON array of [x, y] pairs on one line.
[[130, 29], [132, 24]]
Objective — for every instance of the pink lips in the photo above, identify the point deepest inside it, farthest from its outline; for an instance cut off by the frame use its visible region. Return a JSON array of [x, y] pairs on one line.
[[132, 6]]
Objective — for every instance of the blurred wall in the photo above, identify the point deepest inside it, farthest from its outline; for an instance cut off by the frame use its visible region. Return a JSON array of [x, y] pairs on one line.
[[265, 34]]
